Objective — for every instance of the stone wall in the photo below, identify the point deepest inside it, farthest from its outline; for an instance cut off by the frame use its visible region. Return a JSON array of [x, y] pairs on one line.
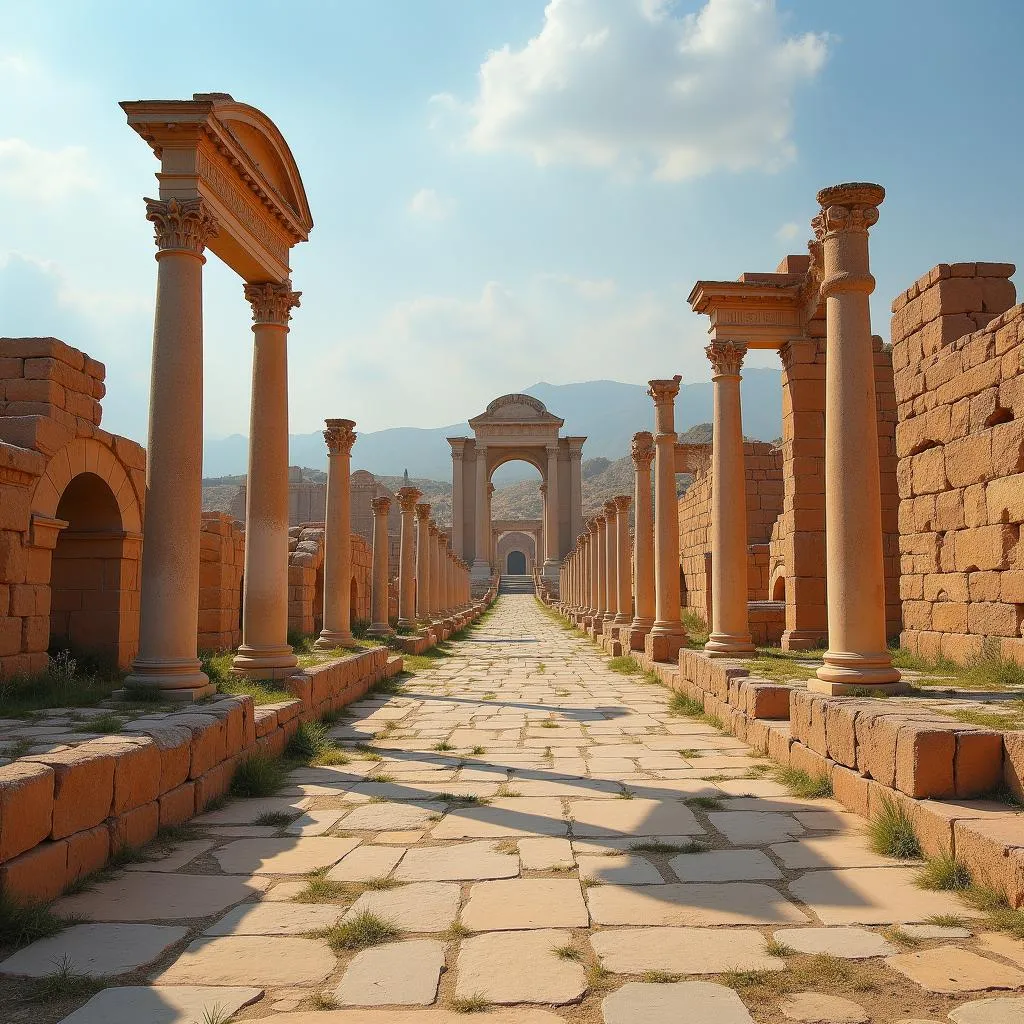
[[958, 355], [306, 578], [763, 466], [71, 508], [221, 562]]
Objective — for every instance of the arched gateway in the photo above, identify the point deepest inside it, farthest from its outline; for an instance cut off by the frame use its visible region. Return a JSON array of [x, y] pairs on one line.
[[516, 427]]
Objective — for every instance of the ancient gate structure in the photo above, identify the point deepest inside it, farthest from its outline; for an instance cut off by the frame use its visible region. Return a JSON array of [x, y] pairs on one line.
[[227, 182], [515, 427]]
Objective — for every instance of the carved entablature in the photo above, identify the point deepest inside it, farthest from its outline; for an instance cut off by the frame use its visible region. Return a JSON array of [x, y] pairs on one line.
[[234, 158], [758, 314]]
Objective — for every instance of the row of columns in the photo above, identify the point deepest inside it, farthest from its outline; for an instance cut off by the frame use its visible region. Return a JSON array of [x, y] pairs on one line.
[[858, 654]]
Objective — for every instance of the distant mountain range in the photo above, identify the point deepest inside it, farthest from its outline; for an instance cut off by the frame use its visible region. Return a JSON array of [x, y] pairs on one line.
[[607, 412]]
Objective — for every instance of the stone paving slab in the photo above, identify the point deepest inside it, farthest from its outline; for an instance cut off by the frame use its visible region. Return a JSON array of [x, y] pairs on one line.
[[182, 854], [692, 1002], [520, 1015], [818, 1008], [846, 943], [251, 959], [683, 950], [389, 817], [503, 819], [637, 817], [835, 851], [519, 967], [695, 904], [456, 862], [296, 856], [96, 950], [395, 974], [724, 866], [949, 969], [162, 1004], [1000, 1010], [417, 907], [365, 863], [545, 854], [625, 869], [275, 918], [755, 828], [525, 903]]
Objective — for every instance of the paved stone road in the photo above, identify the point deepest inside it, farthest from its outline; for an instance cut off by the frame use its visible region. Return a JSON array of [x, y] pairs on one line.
[[541, 831]]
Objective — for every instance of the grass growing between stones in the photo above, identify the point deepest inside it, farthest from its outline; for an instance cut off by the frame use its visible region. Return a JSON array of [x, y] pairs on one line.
[[475, 1003], [998, 912], [892, 833], [65, 683], [683, 706], [819, 973], [660, 977], [946, 873], [359, 932], [275, 819], [626, 665], [705, 803], [108, 723], [568, 952], [653, 846], [258, 775], [947, 920], [894, 933], [320, 889], [24, 923], [690, 753], [775, 948], [456, 930], [987, 672], [697, 632], [801, 784], [64, 983]]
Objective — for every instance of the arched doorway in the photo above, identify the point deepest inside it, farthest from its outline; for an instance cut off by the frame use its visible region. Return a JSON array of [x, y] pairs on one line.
[[515, 563], [89, 576]]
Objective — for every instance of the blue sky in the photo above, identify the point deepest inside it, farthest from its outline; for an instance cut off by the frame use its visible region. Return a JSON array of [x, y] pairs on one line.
[[504, 191]]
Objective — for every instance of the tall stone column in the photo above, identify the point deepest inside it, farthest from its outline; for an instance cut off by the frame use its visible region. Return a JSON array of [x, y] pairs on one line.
[[407, 497], [593, 573], [265, 651], [623, 576], [576, 527], [423, 609], [442, 604], [434, 574], [857, 654], [642, 451], [730, 622], [458, 446], [340, 435], [492, 561], [481, 557], [601, 606], [167, 658], [611, 590], [379, 625], [552, 557], [667, 634]]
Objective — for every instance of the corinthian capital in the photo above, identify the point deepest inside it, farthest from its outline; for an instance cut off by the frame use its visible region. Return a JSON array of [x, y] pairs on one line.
[[407, 498], [592, 525], [181, 224], [381, 506], [664, 391], [642, 449], [271, 302], [340, 435], [849, 207], [423, 512], [726, 358], [609, 509], [622, 502]]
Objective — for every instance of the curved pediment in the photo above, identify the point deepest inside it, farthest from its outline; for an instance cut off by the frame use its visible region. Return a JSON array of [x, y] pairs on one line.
[[515, 409]]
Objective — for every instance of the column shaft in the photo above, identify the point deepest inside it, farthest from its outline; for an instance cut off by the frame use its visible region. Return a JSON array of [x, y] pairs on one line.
[[337, 628], [379, 625], [423, 563], [407, 559], [642, 450], [624, 602], [611, 592], [552, 555], [481, 557]]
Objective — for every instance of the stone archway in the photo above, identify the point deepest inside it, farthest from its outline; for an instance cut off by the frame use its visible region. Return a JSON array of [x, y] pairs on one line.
[[516, 427], [515, 563]]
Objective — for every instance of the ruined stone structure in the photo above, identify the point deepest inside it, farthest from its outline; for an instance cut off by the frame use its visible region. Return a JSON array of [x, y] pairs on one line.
[[515, 427], [221, 564], [306, 578], [519, 540], [71, 512], [958, 357]]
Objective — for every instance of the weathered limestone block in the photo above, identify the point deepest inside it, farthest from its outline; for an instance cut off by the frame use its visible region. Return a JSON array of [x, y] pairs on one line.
[[83, 787], [174, 743], [994, 849], [135, 827], [88, 851], [177, 805], [38, 874], [26, 806], [208, 736]]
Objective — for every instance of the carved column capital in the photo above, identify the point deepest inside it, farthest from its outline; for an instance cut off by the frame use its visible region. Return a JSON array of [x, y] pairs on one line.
[[543, 489], [340, 435], [664, 391], [849, 207], [423, 512], [726, 358], [609, 509], [381, 506], [407, 498], [490, 489], [271, 302], [641, 448], [187, 224], [599, 520], [592, 525], [622, 502]]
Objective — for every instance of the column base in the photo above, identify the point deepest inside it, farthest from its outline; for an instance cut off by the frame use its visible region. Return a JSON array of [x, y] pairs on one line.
[[264, 662], [638, 631], [172, 680], [408, 624], [728, 645], [664, 646], [379, 629], [803, 639], [846, 670], [329, 639]]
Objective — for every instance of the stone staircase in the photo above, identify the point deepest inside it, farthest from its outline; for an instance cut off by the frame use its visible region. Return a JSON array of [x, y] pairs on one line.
[[516, 585]]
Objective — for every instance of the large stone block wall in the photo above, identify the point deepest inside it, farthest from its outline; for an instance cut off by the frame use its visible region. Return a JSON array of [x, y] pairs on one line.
[[763, 466], [958, 354], [221, 563], [71, 506], [305, 578]]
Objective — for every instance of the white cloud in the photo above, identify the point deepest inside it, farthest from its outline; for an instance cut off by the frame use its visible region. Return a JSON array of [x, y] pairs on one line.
[[788, 231], [428, 205], [630, 86], [43, 175], [585, 287]]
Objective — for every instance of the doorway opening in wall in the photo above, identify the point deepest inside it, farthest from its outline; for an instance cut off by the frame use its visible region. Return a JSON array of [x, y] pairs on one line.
[[515, 564], [90, 578]]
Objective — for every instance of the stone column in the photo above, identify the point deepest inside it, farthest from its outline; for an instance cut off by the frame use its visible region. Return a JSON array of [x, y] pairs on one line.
[[407, 497], [552, 557], [623, 576], [601, 605], [458, 445], [492, 561], [730, 623], [439, 541], [434, 574], [611, 589], [642, 451], [576, 527], [594, 545], [265, 651], [857, 654], [667, 634], [174, 458], [481, 558], [423, 608], [340, 435], [379, 625]]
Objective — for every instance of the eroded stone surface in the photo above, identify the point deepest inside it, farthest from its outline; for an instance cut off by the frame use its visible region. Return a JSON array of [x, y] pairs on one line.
[[418, 907], [275, 918], [514, 967], [724, 866], [847, 943], [683, 950], [1000, 1010], [950, 969], [461, 861], [525, 903], [162, 1004], [398, 973], [818, 1008], [251, 959], [281, 856], [695, 1002]]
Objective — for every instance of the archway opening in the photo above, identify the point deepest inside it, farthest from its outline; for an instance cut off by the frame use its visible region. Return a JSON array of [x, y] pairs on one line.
[[779, 588], [90, 578], [515, 563]]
